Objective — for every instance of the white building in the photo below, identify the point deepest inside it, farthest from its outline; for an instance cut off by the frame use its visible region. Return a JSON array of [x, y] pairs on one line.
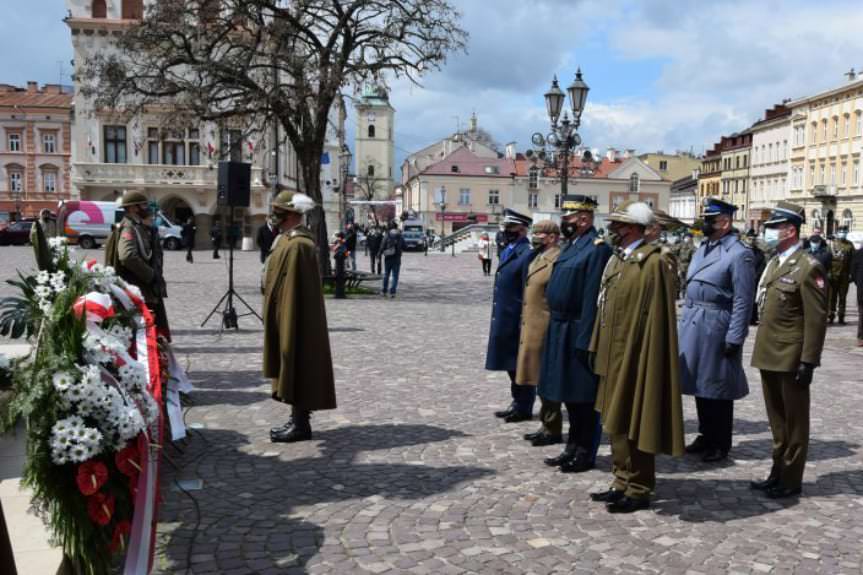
[[683, 199], [769, 163]]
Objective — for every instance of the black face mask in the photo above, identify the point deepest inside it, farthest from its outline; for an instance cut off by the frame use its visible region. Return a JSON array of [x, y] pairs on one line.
[[568, 230], [511, 236], [707, 228]]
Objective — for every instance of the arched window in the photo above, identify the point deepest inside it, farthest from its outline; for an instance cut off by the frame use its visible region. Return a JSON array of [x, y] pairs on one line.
[[848, 219], [371, 130], [100, 9], [633, 183], [371, 171], [132, 9], [816, 218]]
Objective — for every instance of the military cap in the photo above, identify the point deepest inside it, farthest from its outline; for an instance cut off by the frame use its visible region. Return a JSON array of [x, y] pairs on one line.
[[665, 221], [545, 227], [573, 203], [786, 212], [632, 212], [134, 199], [293, 202], [715, 207], [513, 217]]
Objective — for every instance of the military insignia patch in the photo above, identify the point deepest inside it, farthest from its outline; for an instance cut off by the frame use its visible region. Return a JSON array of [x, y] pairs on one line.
[[819, 281], [127, 235]]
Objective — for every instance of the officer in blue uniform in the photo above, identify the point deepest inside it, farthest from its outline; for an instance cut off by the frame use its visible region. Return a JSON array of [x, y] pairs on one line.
[[720, 288], [572, 294], [503, 335]]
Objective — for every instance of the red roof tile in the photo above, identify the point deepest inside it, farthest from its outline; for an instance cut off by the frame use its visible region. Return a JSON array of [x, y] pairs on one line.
[[469, 164], [601, 170], [24, 98]]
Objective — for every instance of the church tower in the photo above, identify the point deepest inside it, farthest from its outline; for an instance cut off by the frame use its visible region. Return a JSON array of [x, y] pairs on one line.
[[374, 148]]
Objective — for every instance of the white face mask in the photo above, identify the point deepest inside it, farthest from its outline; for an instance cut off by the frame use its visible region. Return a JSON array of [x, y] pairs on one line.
[[771, 237]]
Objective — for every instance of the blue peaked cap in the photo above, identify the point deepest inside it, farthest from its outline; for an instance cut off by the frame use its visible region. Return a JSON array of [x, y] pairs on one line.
[[715, 207]]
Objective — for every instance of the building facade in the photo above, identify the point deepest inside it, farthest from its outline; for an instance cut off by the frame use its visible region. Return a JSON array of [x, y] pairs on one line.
[[826, 143], [671, 167], [683, 198], [769, 171], [710, 174], [35, 148], [734, 179]]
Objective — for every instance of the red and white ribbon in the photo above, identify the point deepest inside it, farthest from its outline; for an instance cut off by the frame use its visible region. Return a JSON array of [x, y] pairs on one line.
[[97, 307]]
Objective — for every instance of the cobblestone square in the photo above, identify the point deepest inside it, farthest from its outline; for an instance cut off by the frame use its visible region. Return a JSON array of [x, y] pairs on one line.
[[413, 474]]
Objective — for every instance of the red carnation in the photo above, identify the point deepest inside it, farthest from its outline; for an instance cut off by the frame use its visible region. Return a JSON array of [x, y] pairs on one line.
[[120, 536], [100, 508], [91, 476], [127, 460]]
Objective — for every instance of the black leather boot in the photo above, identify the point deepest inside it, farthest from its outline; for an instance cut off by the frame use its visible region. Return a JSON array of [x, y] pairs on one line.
[[301, 430], [287, 424], [567, 454]]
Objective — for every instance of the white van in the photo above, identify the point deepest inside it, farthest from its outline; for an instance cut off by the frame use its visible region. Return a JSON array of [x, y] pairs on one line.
[[89, 223]]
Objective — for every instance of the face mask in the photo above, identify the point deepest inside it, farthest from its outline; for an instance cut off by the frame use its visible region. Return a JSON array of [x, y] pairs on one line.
[[568, 230], [771, 237], [613, 238], [511, 236], [537, 243], [276, 219], [814, 244], [841, 235], [707, 228]]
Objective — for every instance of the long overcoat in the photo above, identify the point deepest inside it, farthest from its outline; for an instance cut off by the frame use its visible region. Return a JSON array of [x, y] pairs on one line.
[[572, 294], [720, 291], [502, 353], [534, 317], [296, 340], [635, 342]]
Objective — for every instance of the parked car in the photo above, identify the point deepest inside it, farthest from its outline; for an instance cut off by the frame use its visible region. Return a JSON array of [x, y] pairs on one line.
[[16, 234]]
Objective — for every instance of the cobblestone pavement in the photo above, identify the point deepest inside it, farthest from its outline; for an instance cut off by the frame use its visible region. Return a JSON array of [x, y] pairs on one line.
[[413, 474]]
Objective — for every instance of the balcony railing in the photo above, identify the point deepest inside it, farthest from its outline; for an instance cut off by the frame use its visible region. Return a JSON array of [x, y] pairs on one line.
[[152, 175]]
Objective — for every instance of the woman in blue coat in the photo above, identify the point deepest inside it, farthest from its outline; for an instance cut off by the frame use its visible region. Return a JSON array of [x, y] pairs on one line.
[[503, 336]]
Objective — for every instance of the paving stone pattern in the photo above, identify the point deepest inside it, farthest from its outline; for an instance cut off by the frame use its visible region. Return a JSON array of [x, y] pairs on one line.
[[413, 474]]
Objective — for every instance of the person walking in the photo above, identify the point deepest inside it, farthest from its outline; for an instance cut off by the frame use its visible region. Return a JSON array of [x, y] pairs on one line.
[[720, 285], [566, 376], [503, 336], [534, 311], [635, 346], [818, 248], [839, 274], [216, 238], [374, 241], [792, 295], [484, 253], [297, 353], [188, 235], [857, 278], [391, 248], [351, 245], [266, 235]]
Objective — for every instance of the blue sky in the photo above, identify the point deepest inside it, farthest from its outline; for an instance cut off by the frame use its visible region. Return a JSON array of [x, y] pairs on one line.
[[664, 74]]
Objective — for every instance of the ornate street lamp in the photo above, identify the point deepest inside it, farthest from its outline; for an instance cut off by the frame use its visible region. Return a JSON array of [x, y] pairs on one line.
[[345, 163], [554, 149], [441, 197]]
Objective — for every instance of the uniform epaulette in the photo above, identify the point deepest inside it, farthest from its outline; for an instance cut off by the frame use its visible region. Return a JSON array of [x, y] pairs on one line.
[[598, 241]]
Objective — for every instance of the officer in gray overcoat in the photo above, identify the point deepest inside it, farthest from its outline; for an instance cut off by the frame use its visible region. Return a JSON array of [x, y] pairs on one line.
[[720, 284], [503, 336]]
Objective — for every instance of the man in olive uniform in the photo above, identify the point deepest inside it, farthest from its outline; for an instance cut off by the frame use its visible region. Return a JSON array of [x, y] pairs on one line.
[[130, 250], [635, 346], [714, 324], [792, 295], [840, 274], [565, 376], [296, 338]]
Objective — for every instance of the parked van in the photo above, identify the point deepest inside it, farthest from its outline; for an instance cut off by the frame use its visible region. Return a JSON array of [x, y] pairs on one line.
[[88, 223]]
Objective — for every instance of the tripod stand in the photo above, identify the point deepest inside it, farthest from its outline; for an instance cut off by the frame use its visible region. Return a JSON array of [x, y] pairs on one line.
[[228, 312]]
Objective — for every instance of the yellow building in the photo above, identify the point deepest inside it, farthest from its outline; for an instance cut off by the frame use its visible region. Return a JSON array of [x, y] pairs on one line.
[[735, 155], [671, 167], [826, 143], [710, 176]]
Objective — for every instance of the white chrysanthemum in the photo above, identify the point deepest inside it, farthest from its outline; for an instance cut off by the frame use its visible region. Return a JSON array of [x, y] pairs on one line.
[[122, 334], [58, 281], [43, 277], [46, 307], [151, 408], [42, 292], [56, 242], [72, 441], [63, 380]]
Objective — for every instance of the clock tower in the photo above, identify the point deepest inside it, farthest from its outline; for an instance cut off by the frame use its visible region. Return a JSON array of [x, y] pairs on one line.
[[374, 148]]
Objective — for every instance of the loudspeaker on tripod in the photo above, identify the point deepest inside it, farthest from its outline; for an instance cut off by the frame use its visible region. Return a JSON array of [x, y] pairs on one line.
[[234, 186]]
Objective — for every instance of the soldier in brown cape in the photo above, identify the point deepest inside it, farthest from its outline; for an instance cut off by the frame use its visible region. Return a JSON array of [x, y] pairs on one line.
[[635, 346], [296, 341]]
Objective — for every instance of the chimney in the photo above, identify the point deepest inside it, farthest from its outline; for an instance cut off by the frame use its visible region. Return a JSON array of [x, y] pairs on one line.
[[628, 153], [32, 87], [510, 151], [610, 154], [851, 75]]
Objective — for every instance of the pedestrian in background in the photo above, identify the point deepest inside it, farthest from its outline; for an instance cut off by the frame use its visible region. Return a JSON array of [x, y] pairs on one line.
[[216, 238], [839, 274], [484, 254], [635, 342], [857, 278], [351, 245], [818, 248], [374, 241], [188, 234], [391, 248], [714, 324], [792, 295], [266, 235], [503, 336], [566, 376]]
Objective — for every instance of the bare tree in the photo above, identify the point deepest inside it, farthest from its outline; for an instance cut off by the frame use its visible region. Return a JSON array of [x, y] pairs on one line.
[[271, 60]]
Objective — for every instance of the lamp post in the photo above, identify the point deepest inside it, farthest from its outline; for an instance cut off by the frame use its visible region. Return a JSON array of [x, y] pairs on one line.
[[442, 203], [345, 163], [555, 148]]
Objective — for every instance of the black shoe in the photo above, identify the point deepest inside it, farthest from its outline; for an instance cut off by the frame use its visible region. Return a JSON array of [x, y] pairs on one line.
[[544, 439], [780, 492], [516, 417], [292, 434], [289, 423], [697, 446], [714, 455], [764, 485], [609, 496], [566, 455], [841, 321], [505, 412], [534, 435], [628, 505], [577, 465], [830, 320]]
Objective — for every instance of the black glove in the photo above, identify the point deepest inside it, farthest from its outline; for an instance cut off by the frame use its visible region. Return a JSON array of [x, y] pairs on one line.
[[732, 349], [804, 373]]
